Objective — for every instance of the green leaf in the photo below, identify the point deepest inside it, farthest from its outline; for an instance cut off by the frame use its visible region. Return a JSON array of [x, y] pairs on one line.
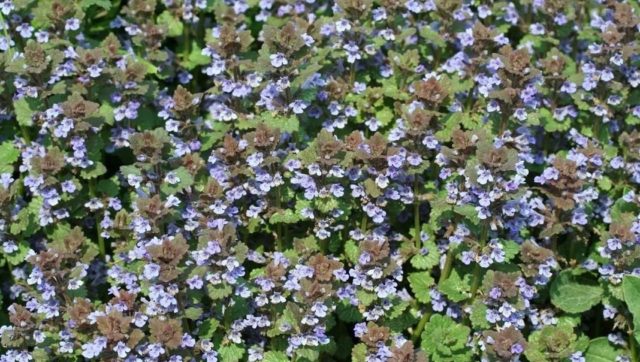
[[106, 111], [210, 139], [40, 354], [304, 73], [600, 350], [208, 328], [326, 205], [186, 180], [193, 313], [348, 313], [284, 216], [18, 256], [174, 26], [433, 37], [420, 283], [397, 310], [130, 170], [456, 288], [219, 291], [275, 356], [551, 124], [359, 353], [231, 353], [285, 124], [552, 230], [352, 251], [307, 354], [27, 218], [632, 120], [385, 116], [468, 211], [96, 170], [288, 319], [151, 69], [365, 298], [558, 341], [196, 57], [427, 261], [25, 109], [631, 290], [452, 121], [105, 4], [620, 207], [574, 294], [456, 85], [445, 339], [372, 188], [511, 249], [109, 187], [605, 183], [478, 315], [8, 155], [402, 322]]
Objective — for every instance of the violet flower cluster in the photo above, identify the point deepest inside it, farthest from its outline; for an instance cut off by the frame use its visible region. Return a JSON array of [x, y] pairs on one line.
[[349, 180]]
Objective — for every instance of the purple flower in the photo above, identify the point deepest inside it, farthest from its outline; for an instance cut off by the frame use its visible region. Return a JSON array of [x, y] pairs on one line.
[[278, 60]]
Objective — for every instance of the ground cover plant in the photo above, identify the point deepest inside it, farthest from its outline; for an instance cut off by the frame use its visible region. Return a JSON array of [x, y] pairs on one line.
[[308, 180]]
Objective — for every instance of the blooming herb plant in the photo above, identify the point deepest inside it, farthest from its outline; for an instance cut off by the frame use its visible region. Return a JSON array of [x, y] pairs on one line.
[[358, 180]]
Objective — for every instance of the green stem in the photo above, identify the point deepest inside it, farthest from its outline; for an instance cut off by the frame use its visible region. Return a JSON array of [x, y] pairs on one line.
[[352, 74], [632, 347], [469, 101], [477, 270], [186, 51], [448, 265], [572, 249], [475, 279], [101, 245], [25, 134], [596, 128], [416, 215], [279, 241], [420, 327], [6, 28], [10, 267], [279, 231], [504, 120], [363, 223]]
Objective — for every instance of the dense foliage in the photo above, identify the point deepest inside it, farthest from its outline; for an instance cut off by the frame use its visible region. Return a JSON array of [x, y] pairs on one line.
[[280, 180]]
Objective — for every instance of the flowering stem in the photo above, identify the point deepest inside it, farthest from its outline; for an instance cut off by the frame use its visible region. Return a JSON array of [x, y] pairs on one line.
[[416, 214], [632, 347], [352, 74], [475, 284], [6, 29], [554, 245], [420, 327], [279, 232], [10, 268], [25, 134], [363, 223], [101, 245], [448, 264], [187, 44], [572, 249], [278, 236], [470, 100], [504, 120], [596, 128], [477, 270]]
